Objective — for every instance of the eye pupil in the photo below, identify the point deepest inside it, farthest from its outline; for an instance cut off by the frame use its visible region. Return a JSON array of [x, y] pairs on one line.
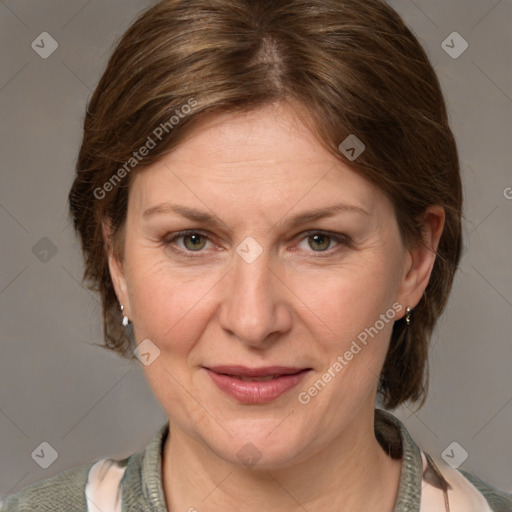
[[322, 240], [195, 241]]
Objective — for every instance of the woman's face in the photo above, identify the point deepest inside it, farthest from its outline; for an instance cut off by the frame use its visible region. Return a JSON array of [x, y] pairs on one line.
[[252, 284]]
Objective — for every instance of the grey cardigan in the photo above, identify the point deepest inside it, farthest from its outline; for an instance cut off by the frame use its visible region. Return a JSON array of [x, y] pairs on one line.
[[138, 487]]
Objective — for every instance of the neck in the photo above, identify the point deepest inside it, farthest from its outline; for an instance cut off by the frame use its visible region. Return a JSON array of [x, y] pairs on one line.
[[351, 473]]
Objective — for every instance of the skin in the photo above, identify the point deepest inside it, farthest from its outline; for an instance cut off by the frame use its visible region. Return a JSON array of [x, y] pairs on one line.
[[295, 305]]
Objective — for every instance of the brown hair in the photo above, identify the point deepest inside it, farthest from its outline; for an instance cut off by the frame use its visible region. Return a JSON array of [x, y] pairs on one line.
[[352, 66]]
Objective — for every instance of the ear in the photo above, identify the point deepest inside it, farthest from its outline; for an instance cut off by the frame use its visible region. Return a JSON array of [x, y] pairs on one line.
[[116, 267], [419, 259]]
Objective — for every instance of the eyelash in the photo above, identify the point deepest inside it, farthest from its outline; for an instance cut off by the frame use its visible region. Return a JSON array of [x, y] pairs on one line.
[[340, 239]]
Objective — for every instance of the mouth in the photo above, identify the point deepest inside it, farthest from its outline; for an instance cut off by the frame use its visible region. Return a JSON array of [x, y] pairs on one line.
[[256, 385]]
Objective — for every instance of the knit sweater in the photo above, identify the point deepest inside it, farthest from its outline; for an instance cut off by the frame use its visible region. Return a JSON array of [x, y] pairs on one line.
[[134, 484]]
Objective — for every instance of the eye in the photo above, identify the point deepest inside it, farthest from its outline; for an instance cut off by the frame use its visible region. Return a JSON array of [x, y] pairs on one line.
[[319, 241], [193, 241]]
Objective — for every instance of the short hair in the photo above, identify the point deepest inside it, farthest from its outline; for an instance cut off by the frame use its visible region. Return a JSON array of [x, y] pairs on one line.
[[352, 67]]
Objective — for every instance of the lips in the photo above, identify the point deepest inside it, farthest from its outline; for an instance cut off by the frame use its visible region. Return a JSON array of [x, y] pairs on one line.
[[256, 385], [267, 371]]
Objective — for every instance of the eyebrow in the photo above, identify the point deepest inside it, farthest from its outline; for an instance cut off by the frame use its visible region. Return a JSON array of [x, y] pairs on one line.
[[209, 219]]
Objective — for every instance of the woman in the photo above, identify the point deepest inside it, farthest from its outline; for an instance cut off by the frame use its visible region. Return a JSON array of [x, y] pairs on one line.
[[269, 204]]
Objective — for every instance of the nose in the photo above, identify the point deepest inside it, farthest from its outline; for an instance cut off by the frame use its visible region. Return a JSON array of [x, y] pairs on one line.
[[255, 308]]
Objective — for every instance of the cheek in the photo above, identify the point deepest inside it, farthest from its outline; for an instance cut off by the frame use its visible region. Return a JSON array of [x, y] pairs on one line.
[[168, 306], [351, 335], [347, 300]]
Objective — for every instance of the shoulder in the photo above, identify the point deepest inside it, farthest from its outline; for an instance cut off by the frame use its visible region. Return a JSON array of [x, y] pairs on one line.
[[430, 484], [52, 494], [75, 489], [100, 486], [464, 491], [498, 500]]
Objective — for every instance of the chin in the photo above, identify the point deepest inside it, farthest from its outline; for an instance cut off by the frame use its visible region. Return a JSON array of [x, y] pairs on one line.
[[261, 445]]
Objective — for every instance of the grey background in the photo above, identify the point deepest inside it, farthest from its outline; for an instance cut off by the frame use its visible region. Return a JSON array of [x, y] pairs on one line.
[[86, 402]]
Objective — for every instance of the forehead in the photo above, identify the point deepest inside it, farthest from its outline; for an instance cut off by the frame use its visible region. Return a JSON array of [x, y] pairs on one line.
[[264, 153]]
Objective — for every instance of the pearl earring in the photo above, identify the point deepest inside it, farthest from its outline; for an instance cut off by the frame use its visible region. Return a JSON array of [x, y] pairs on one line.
[[125, 318]]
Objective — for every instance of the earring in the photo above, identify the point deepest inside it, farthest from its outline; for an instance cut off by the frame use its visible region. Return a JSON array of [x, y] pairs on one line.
[[408, 315], [125, 318]]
